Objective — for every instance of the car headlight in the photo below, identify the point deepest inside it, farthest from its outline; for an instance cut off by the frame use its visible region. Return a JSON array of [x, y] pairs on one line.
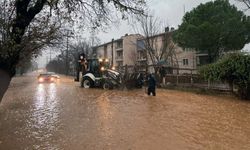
[[40, 79]]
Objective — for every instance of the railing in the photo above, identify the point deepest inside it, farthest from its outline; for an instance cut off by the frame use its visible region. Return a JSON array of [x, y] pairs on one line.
[[181, 77]]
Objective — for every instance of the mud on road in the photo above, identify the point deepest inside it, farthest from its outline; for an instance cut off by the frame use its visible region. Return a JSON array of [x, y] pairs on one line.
[[64, 116]]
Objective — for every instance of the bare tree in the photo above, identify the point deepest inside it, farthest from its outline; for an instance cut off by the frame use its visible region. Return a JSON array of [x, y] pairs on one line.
[[23, 13], [246, 2], [157, 45], [74, 51]]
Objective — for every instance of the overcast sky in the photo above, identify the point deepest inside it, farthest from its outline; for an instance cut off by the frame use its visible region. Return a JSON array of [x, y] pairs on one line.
[[169, 11]]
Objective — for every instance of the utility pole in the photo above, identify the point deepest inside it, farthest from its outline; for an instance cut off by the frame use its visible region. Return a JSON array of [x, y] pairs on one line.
[[57, 68], [50, 54], [67, 55], [112, 47]]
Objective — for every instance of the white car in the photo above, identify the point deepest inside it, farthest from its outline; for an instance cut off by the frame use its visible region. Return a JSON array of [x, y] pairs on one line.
[[53, 74]]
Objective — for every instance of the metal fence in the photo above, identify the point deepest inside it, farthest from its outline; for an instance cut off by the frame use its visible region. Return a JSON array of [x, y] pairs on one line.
[[180, 77]]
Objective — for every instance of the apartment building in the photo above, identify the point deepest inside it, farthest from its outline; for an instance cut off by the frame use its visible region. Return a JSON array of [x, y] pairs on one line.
[[120, 52], [131, 50], [166, 51]]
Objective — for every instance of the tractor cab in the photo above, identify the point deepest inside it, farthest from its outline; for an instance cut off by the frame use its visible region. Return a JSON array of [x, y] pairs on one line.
[[94, 66]]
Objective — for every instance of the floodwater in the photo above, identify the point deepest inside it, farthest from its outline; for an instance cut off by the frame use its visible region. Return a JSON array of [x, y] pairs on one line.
[[65, 116]]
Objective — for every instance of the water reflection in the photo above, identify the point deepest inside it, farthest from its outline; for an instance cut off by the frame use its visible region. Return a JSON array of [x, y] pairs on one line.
[[105, 116], [44, 116], [120, 120], [40, 96]]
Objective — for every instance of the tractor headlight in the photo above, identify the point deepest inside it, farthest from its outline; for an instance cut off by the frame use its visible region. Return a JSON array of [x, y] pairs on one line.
[[100, 60], [106, 60], [102, 68], [113, 68]]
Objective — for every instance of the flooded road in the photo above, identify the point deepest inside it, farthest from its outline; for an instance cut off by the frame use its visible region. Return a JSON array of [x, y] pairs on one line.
[[65, 116]]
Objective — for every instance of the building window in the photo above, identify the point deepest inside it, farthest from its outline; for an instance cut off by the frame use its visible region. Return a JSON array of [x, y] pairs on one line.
[[140, 45], [119, 44], [185, 62], [119, 55], [119, 63], [202, 60], [141, 55]]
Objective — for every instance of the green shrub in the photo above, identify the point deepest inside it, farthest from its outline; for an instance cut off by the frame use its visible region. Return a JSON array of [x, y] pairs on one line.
[[232, 68]]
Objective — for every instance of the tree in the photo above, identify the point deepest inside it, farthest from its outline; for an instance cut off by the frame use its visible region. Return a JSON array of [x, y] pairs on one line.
[[18, 56], [74, 51], [232, 68], [24, 67], [156, 44], [68, 60], [24, 12], [214, 28]]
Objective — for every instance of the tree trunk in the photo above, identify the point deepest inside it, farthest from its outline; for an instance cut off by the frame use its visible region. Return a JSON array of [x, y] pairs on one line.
[[248, 93], [4, 82], [231, 87]]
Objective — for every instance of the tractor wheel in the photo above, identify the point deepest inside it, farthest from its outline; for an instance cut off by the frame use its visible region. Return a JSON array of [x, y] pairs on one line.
[[87, 83], [106, 86]]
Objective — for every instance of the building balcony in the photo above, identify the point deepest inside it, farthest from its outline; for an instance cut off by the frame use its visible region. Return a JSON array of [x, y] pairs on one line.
[[119, 49], [201, 54], [140, 49], [141, 59]]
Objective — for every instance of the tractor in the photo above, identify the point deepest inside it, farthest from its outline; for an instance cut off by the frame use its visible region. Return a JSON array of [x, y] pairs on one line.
[[97, 73]]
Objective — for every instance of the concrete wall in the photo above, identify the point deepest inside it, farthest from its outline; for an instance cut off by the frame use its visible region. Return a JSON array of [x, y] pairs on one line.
[[129, 49]]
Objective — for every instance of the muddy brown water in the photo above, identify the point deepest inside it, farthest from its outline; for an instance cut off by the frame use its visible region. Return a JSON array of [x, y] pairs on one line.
[[65, 116]]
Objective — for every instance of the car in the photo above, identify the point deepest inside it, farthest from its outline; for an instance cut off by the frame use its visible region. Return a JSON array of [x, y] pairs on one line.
[[46, 77], [54, 75]]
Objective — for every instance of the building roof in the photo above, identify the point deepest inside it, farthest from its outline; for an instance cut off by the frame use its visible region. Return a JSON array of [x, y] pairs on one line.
[[160, 34], [116, 40]]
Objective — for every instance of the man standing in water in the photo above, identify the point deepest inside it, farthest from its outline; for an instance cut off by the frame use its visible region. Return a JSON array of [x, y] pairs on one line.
[[151, 85]]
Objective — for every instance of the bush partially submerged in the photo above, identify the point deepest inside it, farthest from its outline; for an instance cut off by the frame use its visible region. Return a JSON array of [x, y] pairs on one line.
[[232, 68]]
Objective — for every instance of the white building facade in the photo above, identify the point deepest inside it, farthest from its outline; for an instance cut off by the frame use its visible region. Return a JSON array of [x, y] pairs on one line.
[[130, 50], [120, 52]]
